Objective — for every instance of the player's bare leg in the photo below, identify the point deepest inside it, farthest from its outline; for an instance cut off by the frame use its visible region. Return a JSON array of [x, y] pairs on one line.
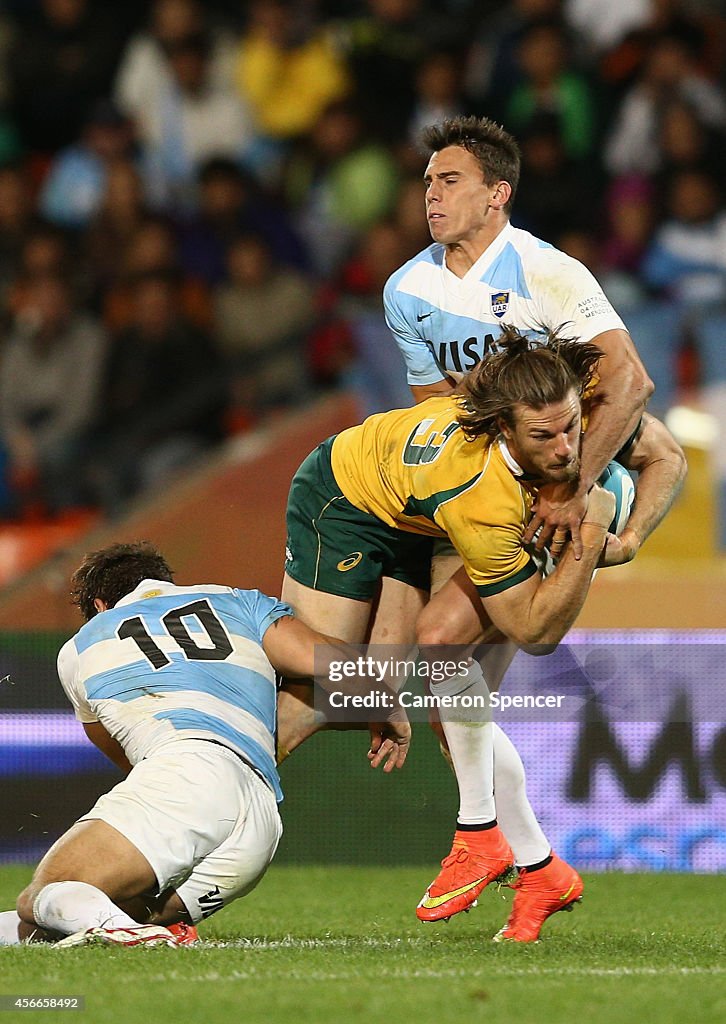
[[94, 852], [396, 613], [79, 882], [394, 618], [99, 866], [341, 617]]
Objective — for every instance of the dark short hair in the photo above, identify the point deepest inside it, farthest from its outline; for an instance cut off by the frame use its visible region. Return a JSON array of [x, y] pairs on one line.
[[495, 149], [526, 371], [115, 571]]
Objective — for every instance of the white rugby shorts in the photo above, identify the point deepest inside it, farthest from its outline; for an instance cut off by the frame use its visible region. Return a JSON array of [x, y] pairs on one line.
[[206, 823]]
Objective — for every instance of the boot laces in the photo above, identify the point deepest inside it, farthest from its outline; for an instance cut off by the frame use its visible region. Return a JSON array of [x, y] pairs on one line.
[[455, 857]]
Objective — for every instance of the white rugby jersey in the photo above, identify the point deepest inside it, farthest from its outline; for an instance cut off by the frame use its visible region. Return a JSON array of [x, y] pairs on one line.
[[169, 663], [442, 322]]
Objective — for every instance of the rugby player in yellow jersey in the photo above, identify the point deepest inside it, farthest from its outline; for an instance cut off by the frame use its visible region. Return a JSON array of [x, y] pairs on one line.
[[367, 504]]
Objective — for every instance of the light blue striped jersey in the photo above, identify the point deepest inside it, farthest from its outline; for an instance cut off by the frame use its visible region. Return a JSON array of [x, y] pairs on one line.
[[445, 323], [169, 663]]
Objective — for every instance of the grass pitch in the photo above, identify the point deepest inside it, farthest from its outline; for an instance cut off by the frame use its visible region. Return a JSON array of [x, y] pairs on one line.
[[341, 944]]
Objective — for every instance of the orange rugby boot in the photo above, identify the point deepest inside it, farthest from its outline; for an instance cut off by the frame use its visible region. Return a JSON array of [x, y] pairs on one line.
[[476, 859], [538, 895]]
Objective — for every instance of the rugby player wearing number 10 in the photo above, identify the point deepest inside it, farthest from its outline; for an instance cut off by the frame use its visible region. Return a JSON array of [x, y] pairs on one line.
[[176, 685]]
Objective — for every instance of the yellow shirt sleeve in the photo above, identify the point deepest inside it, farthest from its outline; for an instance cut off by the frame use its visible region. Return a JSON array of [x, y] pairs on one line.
[[491, 544]]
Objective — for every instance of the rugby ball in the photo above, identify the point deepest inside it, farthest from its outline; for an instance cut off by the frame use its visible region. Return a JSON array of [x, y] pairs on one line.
[[616, 479]]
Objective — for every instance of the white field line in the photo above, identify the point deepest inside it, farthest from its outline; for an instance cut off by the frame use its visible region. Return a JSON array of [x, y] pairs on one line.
[[292, 942], [487, 967], [413, 942], [488, 970]]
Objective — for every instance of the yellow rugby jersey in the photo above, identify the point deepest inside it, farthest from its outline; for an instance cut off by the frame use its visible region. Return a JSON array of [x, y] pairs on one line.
[[415, 470]]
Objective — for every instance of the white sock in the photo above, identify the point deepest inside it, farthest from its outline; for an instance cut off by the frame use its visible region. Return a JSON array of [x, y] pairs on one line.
[[468, 734], [70, 907], [514, 812], [9, 922]]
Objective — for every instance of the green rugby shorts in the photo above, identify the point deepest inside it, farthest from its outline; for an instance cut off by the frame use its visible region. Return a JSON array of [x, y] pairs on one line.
[[334, 547]]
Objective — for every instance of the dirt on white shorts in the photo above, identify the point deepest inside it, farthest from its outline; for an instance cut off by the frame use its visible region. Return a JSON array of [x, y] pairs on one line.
[[205, 821]]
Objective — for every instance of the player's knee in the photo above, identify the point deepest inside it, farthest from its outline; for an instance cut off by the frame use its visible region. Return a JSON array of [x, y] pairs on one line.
[[430, 631], [445, 625]]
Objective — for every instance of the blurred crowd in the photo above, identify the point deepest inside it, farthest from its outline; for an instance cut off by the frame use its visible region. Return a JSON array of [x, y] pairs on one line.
[[200, 204]]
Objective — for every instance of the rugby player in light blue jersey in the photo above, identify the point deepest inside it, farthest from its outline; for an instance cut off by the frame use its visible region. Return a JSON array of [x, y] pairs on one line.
[[176, 685], [446, 306]]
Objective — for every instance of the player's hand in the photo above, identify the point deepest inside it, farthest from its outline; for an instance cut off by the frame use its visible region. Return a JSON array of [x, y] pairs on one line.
[[619, 550], [600, 506], [557, 514], [389, 744]]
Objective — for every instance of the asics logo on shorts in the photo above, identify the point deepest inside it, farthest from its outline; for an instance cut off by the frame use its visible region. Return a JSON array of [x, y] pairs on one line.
[[350, 562]]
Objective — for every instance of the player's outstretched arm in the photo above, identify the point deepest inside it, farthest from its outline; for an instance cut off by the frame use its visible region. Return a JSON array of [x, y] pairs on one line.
[[290, 646], [541, 611], [661, 466]]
